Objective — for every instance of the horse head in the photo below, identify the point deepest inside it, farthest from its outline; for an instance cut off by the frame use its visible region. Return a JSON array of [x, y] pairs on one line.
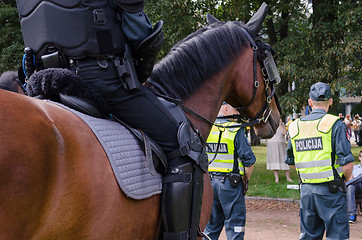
[[258, 106], [223, 61]]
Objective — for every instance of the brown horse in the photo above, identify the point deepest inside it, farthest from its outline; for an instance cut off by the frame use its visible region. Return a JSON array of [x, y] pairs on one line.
[[55, 179]]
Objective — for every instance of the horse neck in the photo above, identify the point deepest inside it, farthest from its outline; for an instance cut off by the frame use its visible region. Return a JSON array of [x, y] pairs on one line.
[[207, 101]]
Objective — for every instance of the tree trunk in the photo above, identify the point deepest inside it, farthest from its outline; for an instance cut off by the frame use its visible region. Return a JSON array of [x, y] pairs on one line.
[[271, 31]]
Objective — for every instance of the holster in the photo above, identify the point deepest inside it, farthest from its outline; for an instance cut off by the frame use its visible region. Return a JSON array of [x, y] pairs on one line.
[[126, 70], [235, 179], [338, 183], [334, 185]]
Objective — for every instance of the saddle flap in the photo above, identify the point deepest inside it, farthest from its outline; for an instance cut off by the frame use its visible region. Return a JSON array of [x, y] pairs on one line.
[[80, 104]]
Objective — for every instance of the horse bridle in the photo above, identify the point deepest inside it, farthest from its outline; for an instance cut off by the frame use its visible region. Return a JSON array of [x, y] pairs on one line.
[[269, 80], [266, 110]]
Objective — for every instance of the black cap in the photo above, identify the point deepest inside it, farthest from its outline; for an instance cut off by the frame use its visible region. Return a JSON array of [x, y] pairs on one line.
[[320, 92]]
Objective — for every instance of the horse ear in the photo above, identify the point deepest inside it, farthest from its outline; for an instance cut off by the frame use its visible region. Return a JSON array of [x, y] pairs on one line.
[[255, 22], [211, 19]]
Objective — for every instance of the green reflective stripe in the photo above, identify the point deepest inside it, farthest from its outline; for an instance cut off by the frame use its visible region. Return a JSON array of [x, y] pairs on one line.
[[316, 175], [318, 163], [221, 165], [220, 156], [340, 170]]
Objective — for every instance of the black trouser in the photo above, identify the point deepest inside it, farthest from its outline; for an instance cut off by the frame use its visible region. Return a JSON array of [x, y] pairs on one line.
[[138, 108]]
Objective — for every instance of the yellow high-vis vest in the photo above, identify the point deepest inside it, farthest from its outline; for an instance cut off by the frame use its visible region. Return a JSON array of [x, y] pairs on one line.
[[312, 149], [224, 160]]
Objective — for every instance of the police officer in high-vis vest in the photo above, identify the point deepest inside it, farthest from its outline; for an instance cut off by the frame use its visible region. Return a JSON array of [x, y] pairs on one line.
[[234, 159], [319, 149], [112, 45]]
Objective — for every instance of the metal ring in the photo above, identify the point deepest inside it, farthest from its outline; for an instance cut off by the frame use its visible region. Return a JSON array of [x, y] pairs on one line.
[[102, 62], [221, 128], [266, 114], [269, 99]]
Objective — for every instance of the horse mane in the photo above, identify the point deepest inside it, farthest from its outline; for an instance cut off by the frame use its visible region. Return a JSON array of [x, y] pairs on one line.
[[198, 57], [7, 81]]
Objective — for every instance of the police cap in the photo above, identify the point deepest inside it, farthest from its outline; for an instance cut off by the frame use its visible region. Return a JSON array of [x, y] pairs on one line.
[[320, 92]]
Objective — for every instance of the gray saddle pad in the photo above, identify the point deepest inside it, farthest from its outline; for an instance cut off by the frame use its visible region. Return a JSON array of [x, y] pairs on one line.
[[127, 158]]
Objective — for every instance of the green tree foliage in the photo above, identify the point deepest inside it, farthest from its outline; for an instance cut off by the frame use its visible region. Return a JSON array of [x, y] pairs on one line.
[[11, 43], [325, 47], [180, 19]]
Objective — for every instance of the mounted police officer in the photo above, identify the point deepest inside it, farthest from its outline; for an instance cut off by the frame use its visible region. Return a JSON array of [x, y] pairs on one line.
[[111, 45], [234, 158], [319, 149]]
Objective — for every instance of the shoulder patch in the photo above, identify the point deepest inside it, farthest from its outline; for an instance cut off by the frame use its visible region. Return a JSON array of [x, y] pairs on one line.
[[326, 123], [293, 128]]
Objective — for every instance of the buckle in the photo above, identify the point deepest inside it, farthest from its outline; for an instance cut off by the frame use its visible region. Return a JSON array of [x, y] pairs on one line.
[[184, 150], [99, 17], [187, 177]]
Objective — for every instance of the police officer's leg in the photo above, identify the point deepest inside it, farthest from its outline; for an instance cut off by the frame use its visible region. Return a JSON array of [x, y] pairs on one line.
[[141, 109], [333, 211], [311, 225], [216, 221], [234, 211]]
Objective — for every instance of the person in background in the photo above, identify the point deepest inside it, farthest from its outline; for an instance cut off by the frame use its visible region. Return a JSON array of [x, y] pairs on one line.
[[289, 120], [231, 161], [308, 109], [348, 121], [319, 150], [276, 147], [341, 117], [355, 125], [354, 187]]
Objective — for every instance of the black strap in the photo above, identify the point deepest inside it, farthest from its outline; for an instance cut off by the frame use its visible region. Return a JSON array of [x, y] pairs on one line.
[[235, 165], [185, 177], [148, 153], [195, 114], [22, 86], [181, 151], [217, 147]]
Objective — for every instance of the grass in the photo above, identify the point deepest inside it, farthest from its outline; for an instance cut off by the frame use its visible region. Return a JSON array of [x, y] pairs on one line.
[[262, 181]]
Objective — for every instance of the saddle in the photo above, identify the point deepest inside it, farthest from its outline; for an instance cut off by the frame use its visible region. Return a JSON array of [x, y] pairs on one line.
[[145, 161]]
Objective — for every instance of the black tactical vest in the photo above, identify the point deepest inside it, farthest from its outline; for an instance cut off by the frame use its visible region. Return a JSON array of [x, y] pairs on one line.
[[75, 28]]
